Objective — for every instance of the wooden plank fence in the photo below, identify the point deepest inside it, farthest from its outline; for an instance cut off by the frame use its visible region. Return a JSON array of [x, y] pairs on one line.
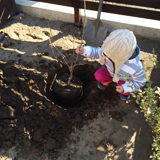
[[149, 9]]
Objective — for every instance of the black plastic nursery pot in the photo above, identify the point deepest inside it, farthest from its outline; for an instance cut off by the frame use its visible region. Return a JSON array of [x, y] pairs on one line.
[[68, 94]]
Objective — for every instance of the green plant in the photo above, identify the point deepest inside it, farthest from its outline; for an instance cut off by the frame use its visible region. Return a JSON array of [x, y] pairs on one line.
[[126, 78], [148, 100]]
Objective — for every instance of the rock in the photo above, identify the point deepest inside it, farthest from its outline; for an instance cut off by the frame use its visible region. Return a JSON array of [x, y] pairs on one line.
[[78, 118], [92, 115], [9, 143], [31, 81], [27, 143], [39, 134], [9, 136], [79, 33], [51, 144], [116, 115], [6, 112], [21, 128]]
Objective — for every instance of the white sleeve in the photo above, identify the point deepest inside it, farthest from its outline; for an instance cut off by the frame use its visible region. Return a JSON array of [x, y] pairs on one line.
[[92, 52]]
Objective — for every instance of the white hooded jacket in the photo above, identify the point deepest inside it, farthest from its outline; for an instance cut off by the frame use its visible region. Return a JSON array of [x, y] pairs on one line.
[[131, 71]]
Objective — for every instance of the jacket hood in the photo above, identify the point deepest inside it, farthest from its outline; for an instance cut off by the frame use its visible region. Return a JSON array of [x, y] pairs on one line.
[[119, 46]]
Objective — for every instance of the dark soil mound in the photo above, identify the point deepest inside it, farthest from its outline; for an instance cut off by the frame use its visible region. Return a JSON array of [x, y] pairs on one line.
[[32, 119]]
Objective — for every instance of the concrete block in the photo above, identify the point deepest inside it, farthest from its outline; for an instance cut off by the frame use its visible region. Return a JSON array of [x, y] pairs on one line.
[[141, 27], [46, 10]]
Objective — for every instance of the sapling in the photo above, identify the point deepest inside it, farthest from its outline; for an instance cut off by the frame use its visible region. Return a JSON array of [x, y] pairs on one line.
[[65, 61], [67, 88]]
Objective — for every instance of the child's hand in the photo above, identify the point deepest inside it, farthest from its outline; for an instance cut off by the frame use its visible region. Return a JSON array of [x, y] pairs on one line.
[[79, 50], [119, 89]]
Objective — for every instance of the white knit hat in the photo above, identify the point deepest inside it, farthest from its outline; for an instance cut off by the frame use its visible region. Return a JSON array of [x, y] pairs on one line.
[[119, 47]]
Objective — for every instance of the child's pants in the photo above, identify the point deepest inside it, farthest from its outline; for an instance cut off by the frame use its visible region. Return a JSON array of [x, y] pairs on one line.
[[102, 75]]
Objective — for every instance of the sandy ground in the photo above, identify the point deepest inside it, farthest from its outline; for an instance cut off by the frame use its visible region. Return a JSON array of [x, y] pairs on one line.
[[117, 131]]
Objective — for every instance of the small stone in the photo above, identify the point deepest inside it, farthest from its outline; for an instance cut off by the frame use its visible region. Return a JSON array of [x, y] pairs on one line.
[[39, 134], [9, 143], [9, 136], [51, 144], [78, 118], [79, 33], [6, 112], [27, 143], [21, 129]]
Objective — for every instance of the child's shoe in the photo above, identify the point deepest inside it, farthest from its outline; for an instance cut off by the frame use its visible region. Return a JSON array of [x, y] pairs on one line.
[[101, 86], [124, 98]]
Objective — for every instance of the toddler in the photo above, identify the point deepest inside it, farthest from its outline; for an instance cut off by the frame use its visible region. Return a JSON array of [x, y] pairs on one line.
[[121, 56]]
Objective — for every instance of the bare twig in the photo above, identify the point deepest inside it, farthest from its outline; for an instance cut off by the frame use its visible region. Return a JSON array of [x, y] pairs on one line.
[[62, 55], [50, 42], [52, 82], [84, 21], [72, 65]]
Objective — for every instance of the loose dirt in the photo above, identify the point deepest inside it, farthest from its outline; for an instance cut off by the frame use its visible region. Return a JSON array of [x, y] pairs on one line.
[[34, 125]]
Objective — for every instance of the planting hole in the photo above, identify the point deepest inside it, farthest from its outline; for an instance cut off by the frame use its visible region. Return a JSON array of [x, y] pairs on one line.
[[72, 95]]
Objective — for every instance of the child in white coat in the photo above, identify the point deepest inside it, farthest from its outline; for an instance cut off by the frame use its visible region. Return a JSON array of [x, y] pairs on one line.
[[121, 57]]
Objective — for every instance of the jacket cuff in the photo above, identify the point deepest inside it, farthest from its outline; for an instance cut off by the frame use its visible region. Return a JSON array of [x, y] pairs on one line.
[[87, 51], [126, 87]]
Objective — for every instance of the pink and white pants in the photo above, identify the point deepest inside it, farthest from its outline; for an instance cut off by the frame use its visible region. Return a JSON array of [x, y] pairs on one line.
[[102, 75]]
